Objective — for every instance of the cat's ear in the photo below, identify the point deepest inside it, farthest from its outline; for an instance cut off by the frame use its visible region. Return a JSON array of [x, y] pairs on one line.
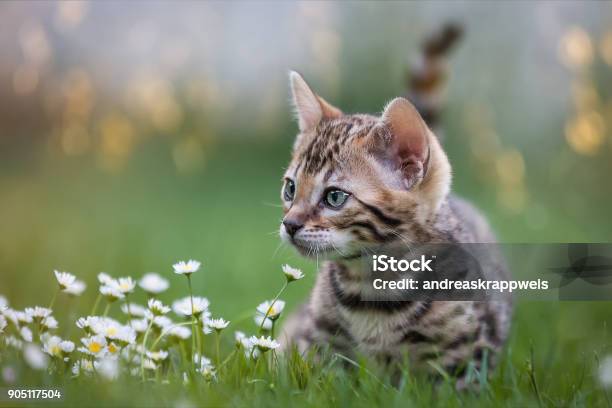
[[405, 140], [310, 108]]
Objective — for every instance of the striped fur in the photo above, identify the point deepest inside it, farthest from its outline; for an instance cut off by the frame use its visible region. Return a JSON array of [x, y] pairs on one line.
[[398, 178]]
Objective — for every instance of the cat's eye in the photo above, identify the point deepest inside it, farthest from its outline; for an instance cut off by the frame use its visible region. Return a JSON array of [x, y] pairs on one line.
[[335, 198], [289, 190]]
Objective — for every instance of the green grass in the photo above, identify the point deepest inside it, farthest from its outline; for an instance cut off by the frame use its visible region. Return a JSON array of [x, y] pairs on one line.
[[535, 370], [66, 214]]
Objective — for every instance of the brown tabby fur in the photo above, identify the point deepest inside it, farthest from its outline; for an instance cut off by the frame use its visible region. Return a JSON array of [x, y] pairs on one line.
[[398, 178]]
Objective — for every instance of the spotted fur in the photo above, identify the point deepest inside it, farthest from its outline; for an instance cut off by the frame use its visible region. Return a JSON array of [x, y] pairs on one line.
[[398, 180]]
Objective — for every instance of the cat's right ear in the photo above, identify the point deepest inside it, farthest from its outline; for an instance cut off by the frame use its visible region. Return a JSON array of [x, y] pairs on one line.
[[310, 108]]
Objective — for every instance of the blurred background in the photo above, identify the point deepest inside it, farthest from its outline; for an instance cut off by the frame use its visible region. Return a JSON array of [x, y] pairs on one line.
[[134, 135]]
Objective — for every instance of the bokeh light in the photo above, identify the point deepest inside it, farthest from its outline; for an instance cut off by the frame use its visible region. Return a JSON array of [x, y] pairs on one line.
[[576, 48]]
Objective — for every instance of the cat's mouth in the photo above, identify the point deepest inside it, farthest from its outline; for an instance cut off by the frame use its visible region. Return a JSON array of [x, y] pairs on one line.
[[312, 249]]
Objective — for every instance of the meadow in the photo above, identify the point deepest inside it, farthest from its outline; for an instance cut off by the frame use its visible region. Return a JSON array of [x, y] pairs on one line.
[[134, 136], [67, 215]]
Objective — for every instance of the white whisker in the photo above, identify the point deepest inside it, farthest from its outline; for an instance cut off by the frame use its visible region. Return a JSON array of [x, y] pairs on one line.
[[272, 205]]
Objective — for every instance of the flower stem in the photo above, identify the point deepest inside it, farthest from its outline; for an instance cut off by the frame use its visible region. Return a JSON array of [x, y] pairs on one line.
[[183, 352], [142, 353], [157, 340], [218, 354], [228, 358], [200, 333], [193, 325], [95, 306], [272, 305], [106, 309], [53, 299], [127, 302]]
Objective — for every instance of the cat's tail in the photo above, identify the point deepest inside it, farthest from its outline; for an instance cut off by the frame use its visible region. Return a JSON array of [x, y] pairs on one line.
[[426, 78]]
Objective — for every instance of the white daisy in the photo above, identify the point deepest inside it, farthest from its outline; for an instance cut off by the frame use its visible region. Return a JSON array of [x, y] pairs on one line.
[[84, 366], [24, 316], [105, 279], [94, 345], [106, 327], [267, 324], [271, 310], [140, 325], [126, 335], [56, 347], [4, 304], [26, 334], [11, 316], [162, 322], [179, 332], [217, 324], [76, 289], [111, 292], [149, 364], [158, 355], [186, 268], [126, 285], [87, 323], [292, 274], [202, 362], [14, 342], [112, 349], [34, 356], [108, 368], [37, 313], [48, 323], [208, 373], [64, 279], [265, 343], [182, 306], [153, 283], [157, 307], [242, 340], [134, 310]]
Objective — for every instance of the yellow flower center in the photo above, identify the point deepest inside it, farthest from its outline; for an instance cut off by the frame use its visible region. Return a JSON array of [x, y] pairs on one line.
[[55, 350], [112, 348], [271, 311], [95, 347], [111, 331]]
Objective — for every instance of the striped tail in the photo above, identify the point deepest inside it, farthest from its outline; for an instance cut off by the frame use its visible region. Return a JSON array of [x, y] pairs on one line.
[[426, 78]]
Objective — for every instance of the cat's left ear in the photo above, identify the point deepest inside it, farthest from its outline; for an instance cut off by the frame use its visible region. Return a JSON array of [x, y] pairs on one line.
[[402, 139], [310, 107]]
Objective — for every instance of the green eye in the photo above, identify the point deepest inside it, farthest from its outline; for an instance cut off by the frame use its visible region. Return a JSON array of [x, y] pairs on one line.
[[336, 198], [289, 190]]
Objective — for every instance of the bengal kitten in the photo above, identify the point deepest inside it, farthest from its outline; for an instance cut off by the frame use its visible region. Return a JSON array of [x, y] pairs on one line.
[[359, 181]]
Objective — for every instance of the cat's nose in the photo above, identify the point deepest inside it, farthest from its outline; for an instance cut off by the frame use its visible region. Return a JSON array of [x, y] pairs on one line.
[[292, 226]]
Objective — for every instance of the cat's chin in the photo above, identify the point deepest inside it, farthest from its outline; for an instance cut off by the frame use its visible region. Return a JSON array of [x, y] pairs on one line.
[[312, 250], [322, 252]]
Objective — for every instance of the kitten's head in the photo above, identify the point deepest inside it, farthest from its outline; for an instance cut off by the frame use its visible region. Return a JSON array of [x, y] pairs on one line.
[[360, 181]]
